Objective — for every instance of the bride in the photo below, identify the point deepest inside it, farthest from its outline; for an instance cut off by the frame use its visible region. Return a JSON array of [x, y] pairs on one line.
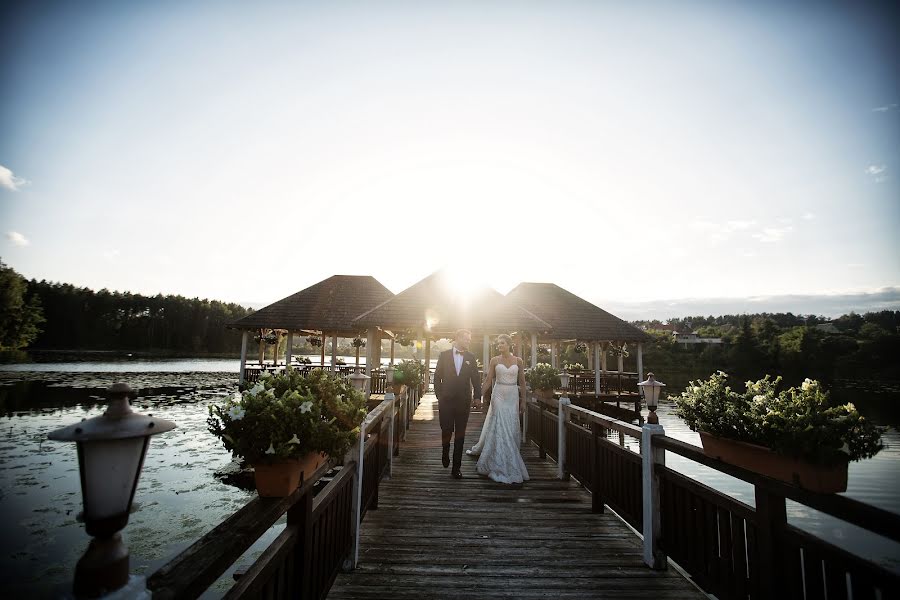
[[498, 446]]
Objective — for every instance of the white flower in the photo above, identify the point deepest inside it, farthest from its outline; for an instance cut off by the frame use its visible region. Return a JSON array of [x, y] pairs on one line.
[[845, 448], [271, 449], [270, 394], [257, 388], [236, 397], [265, 375], [236, 413], [807, 384], [306, 407], [293, 440], [759, 398]]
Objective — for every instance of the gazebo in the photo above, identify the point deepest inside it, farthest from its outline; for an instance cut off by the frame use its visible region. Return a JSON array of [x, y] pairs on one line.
[[322, 310], [573, 319], [434, 308]]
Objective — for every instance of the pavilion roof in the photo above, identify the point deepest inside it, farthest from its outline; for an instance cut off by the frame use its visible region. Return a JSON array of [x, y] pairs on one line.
[[572, 317], [328, 306], [436, 306]]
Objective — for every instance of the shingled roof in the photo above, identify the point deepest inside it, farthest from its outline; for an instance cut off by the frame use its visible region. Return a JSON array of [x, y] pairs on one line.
[[433, 301], [327, 306], [572, 317]]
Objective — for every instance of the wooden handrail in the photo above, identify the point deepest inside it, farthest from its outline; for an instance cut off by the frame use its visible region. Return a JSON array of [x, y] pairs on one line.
[[191, 572], [595, 417], [872, 518]]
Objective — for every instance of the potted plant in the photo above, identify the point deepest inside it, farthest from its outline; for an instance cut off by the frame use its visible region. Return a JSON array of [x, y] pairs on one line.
[[543, 379], [580, 348], [314, 341], [796, 435], [409, 373], [286, 425], [573, 367]]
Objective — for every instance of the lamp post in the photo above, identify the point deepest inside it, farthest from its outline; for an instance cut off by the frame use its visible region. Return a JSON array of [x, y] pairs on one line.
[[359, 381], [111, 450], [650, 391], [562, 417], [564, 382]]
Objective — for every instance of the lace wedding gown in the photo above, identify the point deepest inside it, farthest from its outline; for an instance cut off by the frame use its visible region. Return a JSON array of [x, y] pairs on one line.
[[498, 445]]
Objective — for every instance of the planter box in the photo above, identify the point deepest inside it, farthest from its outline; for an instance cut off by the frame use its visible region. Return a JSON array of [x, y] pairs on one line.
[[762, 460], [281, 478]]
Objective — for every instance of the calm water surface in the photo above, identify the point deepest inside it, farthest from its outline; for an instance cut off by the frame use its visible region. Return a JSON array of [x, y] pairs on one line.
[[179, 498]]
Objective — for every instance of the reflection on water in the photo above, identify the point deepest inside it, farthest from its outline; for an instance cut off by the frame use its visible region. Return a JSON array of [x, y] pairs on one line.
[[178, 498]]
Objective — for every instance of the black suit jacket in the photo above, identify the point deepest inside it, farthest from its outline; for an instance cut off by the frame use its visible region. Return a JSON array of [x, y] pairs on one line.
[[450, 387]]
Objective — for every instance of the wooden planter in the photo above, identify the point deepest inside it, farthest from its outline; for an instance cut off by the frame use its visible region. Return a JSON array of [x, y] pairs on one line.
[[762, 460], [544, 394], [280, 478]]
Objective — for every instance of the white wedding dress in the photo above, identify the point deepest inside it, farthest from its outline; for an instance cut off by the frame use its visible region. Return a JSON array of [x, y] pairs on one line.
[[498, 446]]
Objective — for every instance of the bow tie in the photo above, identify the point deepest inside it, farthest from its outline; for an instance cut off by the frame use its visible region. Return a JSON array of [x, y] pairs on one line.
[[455, 352]]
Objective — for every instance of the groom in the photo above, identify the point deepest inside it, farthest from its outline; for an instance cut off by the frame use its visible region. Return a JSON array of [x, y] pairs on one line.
[[455, 378]]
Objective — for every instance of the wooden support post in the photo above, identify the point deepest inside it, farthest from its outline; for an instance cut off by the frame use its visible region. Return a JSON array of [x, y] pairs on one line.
[[554, 358], [771, 519], [289, 351], [242, 372], [486, 354], [596, 475], [534, 347], [597, 380], [300, 516], [563, 413], [542, 452], [393, 341], [322, 351], [427, 364], [654, 557], [640, 361], [334, 340], [390, 444]]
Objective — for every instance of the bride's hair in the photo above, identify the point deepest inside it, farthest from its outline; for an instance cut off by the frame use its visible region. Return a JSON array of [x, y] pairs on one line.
[[504, 338]]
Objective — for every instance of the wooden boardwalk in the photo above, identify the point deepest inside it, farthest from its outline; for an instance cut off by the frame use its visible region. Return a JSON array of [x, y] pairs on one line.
[[436, 537]]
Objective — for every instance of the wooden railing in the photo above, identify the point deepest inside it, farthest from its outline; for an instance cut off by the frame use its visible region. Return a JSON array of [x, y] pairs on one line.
[[729, 548], [321, 535]]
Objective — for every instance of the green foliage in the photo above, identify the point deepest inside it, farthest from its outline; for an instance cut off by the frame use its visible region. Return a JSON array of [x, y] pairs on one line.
[[290, 415], [409, 372], [20, 311], [542, 377], [798, 421], [573, 367], [83, 319]]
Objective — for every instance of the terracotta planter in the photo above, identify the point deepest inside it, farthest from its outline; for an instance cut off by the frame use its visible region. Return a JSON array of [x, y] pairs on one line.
[[762, 460], [544, 394], [279, 479], [398, 388]]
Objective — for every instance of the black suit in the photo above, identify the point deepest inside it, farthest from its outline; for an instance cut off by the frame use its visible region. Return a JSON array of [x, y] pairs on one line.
[[454, 393]]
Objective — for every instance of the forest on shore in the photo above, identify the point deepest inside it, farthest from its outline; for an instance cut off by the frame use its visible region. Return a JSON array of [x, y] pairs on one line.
[[47, 316]]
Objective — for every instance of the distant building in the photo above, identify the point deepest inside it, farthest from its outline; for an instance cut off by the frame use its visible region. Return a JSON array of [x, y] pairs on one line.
[[828, 328], [687, 338]]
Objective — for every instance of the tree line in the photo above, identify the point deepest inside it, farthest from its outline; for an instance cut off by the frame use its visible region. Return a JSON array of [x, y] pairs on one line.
[[853, 346], [42, 315]]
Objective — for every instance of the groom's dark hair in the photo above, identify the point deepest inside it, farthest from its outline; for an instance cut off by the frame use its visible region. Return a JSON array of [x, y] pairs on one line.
[[459, 332]]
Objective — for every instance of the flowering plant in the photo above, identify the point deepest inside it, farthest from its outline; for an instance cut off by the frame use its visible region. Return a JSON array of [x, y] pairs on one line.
[[314, 341], [573, 367], [799, 421], [543, 377], [615, 350], [358, 342], [409, 372], [270, 338], [580, 347], [288, 416]]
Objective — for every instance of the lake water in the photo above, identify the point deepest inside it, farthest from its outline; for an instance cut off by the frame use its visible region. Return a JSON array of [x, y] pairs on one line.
[[179, 498]]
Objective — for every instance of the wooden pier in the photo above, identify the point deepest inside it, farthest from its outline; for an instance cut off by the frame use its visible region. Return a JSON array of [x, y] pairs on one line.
[[436, 537]]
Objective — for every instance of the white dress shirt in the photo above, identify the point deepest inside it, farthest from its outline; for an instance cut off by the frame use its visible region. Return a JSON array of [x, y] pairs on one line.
[[457, 359]]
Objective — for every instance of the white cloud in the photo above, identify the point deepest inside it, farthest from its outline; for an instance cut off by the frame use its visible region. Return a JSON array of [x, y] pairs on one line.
[[885, 108], [875, 169], [772, 234], [111, 254], [10, 181], [17, 239], [719, 232], [808, 216]]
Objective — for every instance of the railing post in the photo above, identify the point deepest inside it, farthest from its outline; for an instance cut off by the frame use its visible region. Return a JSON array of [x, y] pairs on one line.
[[771, 518], [525, 418], [390, 447], [596, 475], [563, 413], [300, 516], [542, 452], [651, 456], [357, 493]]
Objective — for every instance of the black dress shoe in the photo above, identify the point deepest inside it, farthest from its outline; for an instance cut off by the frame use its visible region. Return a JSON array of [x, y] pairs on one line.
[[446, 460], [456, 474]]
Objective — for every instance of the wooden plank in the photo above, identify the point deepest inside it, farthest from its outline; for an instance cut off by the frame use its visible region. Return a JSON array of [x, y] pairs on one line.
[[437, 537]]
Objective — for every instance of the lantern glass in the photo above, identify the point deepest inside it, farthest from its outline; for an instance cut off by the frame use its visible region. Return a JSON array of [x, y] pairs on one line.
[[110, 470], [564, 380], [389, 375], [650, 389]]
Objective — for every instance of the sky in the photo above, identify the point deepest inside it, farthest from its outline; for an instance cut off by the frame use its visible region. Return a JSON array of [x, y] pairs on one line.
[[629, 152]]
